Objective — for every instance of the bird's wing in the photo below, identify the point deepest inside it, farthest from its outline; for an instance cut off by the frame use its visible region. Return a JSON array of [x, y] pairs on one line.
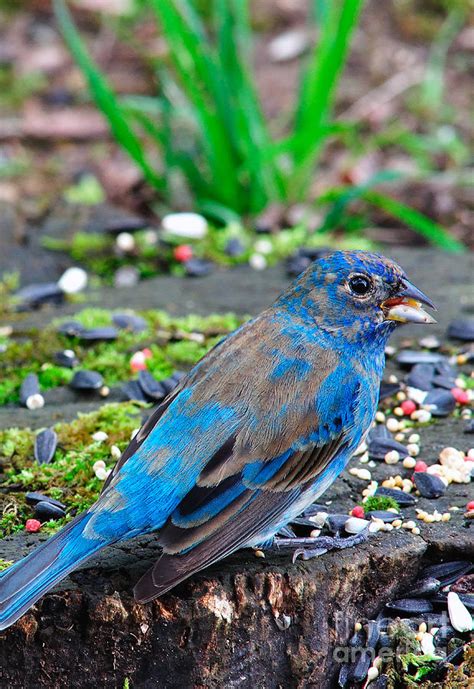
[[236, 500]]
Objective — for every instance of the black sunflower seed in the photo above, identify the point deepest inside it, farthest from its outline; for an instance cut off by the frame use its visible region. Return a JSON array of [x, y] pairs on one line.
[[402, 498], [106, 334], [344, 675], [361, 667], [32, 296], [296, 265], [445, 570], [198, 267], [388, 390], [386, 517], [128, 224], [440, 402], [444, 382], [169, 384], [429, 485], [421, 376], [462, 329], [29, 387], [133, 391], [335, 522], [129, 321], [71, 328], [372, 633], [377, 432], [378, 448], [441, 598], [408, 358], [410, 606], [302, 521], [44, 511], [234, 247], [45, 446], [35, 498], [444, 634], [151, 387], [66, 358], [86, 380], [425, 587]]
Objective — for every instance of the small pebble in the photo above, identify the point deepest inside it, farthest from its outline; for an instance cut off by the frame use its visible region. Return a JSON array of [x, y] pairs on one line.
[[189, 225], [126, 277], [73, 280]]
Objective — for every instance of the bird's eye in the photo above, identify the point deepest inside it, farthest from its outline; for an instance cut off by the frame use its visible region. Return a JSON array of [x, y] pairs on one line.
[[360, 285]]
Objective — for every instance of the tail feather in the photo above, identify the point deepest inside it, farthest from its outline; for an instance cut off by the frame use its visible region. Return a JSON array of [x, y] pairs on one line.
[[28, 579]]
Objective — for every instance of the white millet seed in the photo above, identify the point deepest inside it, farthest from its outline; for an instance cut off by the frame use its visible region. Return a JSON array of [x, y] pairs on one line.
[[115, 452]]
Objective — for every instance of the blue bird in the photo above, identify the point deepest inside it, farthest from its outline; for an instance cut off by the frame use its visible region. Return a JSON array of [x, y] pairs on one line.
[[258, 429]]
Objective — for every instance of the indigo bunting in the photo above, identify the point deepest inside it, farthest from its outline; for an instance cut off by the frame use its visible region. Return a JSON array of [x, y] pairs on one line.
[[258, 429]]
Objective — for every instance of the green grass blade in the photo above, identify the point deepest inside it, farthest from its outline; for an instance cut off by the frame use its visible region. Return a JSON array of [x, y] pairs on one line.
[[319, 83], [432, 231], [432, 87], [191, 58], [104, 96]]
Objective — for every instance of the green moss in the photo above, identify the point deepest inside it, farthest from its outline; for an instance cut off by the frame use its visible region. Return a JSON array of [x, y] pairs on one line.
[[70, 476], [4, 564], [172, 341], [379, 502]]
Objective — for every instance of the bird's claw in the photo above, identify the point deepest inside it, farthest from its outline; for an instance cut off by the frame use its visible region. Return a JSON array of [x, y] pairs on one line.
[[307, 548]]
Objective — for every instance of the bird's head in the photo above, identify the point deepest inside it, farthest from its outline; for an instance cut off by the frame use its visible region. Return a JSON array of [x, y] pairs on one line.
[[360, 296]]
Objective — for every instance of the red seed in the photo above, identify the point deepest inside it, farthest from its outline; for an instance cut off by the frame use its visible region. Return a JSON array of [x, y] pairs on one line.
[[183, 253], [32, 525], [138, 362], [358, 511], [470, 506], [420, 466], [408, 407], [147, 353], [460, 395]]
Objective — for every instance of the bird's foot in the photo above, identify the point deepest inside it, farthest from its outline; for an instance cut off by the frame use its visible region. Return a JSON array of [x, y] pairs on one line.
[[307, 548]]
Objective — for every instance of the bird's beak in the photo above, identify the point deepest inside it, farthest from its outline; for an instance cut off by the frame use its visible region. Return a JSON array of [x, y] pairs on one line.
[[405, 307]]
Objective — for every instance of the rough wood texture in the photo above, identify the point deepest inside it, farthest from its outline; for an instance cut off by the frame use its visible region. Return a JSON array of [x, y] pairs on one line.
[[219, 629]]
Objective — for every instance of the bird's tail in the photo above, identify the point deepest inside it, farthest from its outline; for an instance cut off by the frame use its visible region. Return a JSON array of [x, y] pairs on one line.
[[28, 579]]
